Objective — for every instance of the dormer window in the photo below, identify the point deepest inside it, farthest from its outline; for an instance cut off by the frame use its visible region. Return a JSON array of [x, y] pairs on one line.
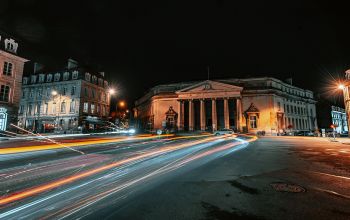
[[88, 77], [66, 76], [94, 79], [7, 70], [49, 78], [25, 80], [57, 77], [33, 79], [41, 78], [11, 45], [75, 74]]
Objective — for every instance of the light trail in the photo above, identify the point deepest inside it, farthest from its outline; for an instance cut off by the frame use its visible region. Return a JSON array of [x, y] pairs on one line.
[[13, 150], [63, 181], [68, 211], [55, 142]]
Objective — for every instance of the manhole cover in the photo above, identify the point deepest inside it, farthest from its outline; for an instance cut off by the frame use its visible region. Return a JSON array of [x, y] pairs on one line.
[[286, 187]]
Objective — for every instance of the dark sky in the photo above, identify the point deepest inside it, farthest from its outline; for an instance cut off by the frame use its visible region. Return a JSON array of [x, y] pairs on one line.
[[140, 44]]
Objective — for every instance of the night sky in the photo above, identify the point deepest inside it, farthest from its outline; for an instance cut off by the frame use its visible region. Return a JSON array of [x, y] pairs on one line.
[[140, 44]]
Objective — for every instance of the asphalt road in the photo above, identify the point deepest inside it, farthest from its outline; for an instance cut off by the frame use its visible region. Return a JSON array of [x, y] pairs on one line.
[[204, 177]]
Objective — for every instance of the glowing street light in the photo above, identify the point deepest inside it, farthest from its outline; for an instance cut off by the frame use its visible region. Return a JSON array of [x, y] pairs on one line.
[[121, 103], [111, 91], [54, 92], [341, 86]]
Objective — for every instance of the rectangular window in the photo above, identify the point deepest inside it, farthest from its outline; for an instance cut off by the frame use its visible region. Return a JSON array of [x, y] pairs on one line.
[[63, 107], [30, 108], [57, 77], [252, 121], [53, 108], [46, 110], [4, 93], [38, 107], [7, 69], [64, 91], [21, 107], [74, 88], [86, 107], [49, 78], [279, 106], [92, 108], [72, 106], [86, 92]]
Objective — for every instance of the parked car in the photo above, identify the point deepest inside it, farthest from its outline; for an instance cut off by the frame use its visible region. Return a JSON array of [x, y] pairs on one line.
[[223, 131]]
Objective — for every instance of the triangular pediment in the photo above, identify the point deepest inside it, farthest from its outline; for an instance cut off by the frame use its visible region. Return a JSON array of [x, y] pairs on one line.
[[209, 86], [252, 108]]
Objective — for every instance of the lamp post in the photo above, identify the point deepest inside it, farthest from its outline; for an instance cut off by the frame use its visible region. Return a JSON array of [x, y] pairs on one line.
[[54, 93]]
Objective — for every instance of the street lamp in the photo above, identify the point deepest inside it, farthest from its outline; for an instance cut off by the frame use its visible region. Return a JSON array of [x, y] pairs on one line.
[[111, 91], [121, 103], [54, 93]]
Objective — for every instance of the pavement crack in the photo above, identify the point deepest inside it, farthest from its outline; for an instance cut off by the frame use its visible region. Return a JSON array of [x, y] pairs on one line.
[[244, 188]]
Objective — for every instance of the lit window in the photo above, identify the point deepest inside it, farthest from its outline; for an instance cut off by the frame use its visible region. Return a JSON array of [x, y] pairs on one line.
[[92, 108], [63, 107], [86, 107], [7, 69], [72, 106], [252, 121], [53, 108], [4, 93]]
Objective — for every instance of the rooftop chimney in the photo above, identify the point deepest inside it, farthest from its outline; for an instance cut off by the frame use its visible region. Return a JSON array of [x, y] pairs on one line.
[[72, 64], [38, 67]]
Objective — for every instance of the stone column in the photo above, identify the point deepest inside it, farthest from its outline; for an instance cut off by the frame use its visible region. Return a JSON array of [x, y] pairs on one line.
[[202, 114], [191, 115], [213, 115], [181, 116], [239, 114], [226, 114]]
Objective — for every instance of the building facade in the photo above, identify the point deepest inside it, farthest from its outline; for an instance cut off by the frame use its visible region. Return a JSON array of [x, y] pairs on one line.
[[339, 119], [246, 105], [331, 117], [11, 71], [71, 100]]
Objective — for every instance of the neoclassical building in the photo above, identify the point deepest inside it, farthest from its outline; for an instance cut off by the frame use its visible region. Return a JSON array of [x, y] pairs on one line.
[[246, 105], [73, 99], [11, 71]]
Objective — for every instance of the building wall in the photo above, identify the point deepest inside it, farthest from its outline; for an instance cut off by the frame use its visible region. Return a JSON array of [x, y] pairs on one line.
[[272, 97], [14, 83], [56, 109]]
